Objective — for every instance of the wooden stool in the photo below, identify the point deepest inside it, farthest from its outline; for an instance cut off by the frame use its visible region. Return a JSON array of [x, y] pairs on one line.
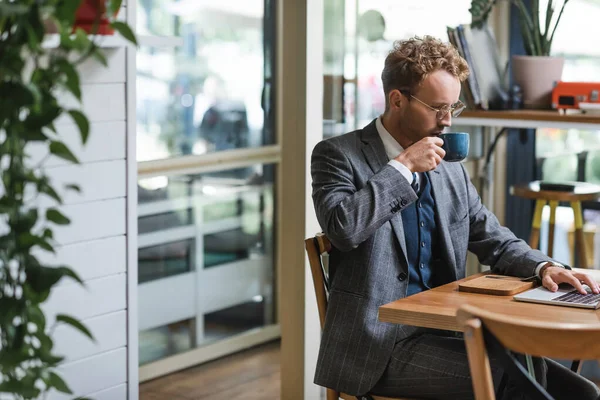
[[583, 192]]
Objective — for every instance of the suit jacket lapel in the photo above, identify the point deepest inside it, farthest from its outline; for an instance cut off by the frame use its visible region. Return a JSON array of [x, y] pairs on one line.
[[373, 149], [441, 197], [376, 157]]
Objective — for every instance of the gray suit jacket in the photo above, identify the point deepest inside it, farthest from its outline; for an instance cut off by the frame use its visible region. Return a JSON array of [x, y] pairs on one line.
[[358, 200]]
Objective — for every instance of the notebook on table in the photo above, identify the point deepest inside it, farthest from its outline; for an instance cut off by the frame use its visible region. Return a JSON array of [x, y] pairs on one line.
[[566, 295]]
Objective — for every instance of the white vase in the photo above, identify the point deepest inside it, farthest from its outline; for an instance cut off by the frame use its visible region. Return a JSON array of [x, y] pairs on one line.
[[537, 76]]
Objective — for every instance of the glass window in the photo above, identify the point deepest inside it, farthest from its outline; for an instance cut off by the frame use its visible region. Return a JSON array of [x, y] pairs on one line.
[[592, 167], [205, 251], [358, 38], [572, 154], [582, 64], [211, 90]]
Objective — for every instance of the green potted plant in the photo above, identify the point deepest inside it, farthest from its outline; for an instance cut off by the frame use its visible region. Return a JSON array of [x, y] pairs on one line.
[[31, 76], [537, 71]]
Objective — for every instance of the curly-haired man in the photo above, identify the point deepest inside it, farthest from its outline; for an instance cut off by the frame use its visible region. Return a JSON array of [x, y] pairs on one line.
[[401, 221]]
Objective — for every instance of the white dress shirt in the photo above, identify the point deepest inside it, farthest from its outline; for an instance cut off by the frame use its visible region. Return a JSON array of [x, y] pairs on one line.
[[393, 149]]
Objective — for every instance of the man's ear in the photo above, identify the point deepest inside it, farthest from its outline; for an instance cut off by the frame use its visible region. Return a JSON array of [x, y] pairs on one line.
[[395, 98]]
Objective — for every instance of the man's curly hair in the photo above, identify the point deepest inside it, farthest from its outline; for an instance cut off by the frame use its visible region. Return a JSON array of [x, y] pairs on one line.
[[412, 60]]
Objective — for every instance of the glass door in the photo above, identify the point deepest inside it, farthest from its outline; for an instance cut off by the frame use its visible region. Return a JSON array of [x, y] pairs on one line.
[[207, 160]]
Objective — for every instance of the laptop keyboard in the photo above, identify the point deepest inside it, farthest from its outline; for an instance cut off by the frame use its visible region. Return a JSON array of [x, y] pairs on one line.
[[576, 297]]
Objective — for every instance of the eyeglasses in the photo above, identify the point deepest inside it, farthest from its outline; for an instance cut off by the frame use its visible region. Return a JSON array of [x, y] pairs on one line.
[[441, 112]]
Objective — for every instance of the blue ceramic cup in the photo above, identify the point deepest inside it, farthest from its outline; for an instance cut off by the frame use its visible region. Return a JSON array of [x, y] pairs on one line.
[[456, 145]]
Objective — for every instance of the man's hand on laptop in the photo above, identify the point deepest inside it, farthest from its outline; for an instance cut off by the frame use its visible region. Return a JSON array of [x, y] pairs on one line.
[[552, 275]]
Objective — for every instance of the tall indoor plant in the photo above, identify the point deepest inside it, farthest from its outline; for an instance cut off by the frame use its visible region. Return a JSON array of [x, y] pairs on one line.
[[31, 78], [537, 71]]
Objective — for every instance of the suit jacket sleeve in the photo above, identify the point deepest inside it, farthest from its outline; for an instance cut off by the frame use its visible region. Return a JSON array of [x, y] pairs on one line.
[[495, 245], [349, 214]]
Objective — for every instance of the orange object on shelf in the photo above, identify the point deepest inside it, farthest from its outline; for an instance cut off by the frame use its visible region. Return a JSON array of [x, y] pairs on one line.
[[576, 95]]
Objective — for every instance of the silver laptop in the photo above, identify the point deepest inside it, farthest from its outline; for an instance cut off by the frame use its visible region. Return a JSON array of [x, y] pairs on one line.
[[566, 295]]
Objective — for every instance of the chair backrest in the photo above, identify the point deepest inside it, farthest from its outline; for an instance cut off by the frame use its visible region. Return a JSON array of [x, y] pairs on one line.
[[316, 247], [492, 333]]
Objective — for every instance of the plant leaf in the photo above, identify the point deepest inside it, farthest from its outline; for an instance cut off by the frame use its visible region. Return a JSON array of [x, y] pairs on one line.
[[73, 187], [27, 240], [35, 27], [13, 9], [82, 123], [75, 324], [41, 279], [81, 41], [114, 6], [35, 91], [125, 31], [72, 83], [66, 271], [53, 215], [59, 149], [34, 136], [65, 10], [58, 383], [44, 187], [99, 56]]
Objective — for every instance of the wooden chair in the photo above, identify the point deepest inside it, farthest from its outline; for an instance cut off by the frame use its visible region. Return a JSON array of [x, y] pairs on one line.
[[316, 247], [583, 192], [495, 334]]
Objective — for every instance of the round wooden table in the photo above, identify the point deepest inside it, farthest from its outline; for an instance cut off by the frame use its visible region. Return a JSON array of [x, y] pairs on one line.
[[583, 191]]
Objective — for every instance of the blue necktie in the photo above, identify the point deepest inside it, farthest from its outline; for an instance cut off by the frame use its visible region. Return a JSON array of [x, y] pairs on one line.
[[415, 184]]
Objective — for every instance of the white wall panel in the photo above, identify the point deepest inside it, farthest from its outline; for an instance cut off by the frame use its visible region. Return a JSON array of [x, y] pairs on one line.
[[95, 243], [101, 102], [90, 260], [114, 72], [115, 393], [97, 297], [100, 219], [109, 331], [105, 142], [93, 374], [98, 181]]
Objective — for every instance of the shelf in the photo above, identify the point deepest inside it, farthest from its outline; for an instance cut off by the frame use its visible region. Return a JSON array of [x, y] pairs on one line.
[[528, 119], [52, 41], [160, 41]]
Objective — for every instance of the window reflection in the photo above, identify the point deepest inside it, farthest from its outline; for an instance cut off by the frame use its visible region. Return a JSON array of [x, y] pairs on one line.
[[356, 42], [207, 94], [180, 336], [205, 249]]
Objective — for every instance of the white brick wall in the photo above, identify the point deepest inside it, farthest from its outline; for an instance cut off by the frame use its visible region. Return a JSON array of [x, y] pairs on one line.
[[97, 241]]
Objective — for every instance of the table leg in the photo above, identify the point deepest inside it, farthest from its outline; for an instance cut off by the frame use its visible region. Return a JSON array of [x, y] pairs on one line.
[[534, 238], [553, 205], [579, 239]]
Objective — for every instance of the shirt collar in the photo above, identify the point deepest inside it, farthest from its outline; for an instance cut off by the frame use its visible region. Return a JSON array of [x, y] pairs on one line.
[[392, 147]]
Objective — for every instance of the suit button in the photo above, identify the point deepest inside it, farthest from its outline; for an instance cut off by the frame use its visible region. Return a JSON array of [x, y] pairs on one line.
[[422, 244], [403, 202], [401, 276], [422, 265], [422, 223], [420, 205]]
